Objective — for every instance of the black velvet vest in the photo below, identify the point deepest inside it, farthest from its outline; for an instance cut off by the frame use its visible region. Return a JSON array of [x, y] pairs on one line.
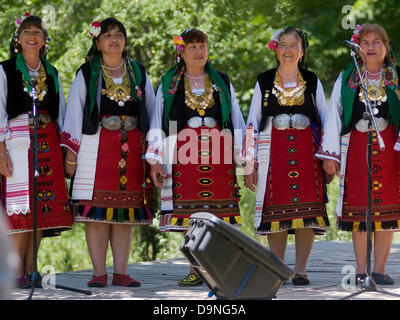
[[180, 112], [19, 101], [91, 121], [359, 109], [309, 108]]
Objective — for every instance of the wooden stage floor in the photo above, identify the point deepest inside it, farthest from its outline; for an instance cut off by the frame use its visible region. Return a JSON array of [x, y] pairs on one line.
[[160, 279]]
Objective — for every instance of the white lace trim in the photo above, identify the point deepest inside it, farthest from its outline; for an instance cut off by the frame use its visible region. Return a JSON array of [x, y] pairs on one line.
[[24, 211]]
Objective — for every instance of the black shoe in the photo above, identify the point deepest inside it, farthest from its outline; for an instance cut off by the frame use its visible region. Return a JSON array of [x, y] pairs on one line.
[[383, 279], [38, 281], [359, 278], [300, 280]]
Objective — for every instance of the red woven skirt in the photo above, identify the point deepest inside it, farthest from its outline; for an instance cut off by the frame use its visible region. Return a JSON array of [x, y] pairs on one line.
[[122, 191], [203, 179], [385, 194], [53, 209], [295, 191]]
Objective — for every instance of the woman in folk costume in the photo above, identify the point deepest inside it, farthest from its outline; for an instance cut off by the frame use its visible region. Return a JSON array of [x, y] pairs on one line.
[[344, 145], [196, 108], [28, 52], [282, 135], [109, 105]]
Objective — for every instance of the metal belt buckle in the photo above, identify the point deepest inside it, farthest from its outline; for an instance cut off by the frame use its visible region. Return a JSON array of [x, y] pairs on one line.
[[210, 122], [42, 117], [129, 123], [112, 123], [362, 125], [300, 121], [281, 121], [195, 122]]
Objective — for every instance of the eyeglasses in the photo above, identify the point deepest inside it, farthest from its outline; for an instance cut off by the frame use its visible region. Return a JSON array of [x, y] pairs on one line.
[[374, 44], [290, 47]]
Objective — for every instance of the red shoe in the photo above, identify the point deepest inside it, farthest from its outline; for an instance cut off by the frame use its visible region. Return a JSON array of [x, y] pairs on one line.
[[124, 280], [98, 282], [22, 282]]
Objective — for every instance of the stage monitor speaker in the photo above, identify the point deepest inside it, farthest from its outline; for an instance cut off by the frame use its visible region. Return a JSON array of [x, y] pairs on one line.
[[233, 265]]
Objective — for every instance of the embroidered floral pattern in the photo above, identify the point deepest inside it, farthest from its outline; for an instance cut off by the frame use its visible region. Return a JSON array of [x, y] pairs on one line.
[[326, 153], [154, 154], [175, 81], [122, 164], [250, 145], [390, 77], [4, 134], [69, 142]]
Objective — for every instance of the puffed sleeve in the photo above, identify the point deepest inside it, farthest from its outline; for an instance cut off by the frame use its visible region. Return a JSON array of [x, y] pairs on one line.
[[237, 123], [61, 105], [150, 97], [156, 135], [252, 127], [72, 128], [4, 131], [321, 102], [330, 144]]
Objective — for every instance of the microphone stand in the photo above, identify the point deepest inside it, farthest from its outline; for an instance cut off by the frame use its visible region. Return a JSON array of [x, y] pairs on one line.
[[368, 284], [36, 279]]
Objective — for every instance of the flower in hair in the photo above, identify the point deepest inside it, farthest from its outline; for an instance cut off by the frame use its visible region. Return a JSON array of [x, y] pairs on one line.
[[273, 44], [21, 18], [95, 29], [354, 37], [179, 43]]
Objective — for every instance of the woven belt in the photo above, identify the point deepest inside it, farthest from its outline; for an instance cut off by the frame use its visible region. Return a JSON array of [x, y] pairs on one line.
[[381, 123], [285, 121], [114, 123], [197, 122], [42, 117]]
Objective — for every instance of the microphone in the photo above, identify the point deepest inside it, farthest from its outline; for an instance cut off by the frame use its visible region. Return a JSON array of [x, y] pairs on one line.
[[352, 45], [33, 82]]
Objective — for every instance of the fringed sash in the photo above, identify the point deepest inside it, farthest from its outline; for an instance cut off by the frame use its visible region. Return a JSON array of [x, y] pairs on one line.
[[167, 203], [344, 146], [17, 186], [86, 167], [263, 156]]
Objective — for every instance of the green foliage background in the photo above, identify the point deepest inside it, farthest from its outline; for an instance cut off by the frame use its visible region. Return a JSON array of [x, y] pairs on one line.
[[238, 34]]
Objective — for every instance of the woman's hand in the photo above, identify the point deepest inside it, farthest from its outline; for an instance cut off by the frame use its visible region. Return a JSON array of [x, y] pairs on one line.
[[70, 163], [250, 179], [6, 167], [157, 174], [331, 167]]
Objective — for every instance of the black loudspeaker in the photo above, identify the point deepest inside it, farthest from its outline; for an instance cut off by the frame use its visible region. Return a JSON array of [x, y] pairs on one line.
[[233, 265]]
